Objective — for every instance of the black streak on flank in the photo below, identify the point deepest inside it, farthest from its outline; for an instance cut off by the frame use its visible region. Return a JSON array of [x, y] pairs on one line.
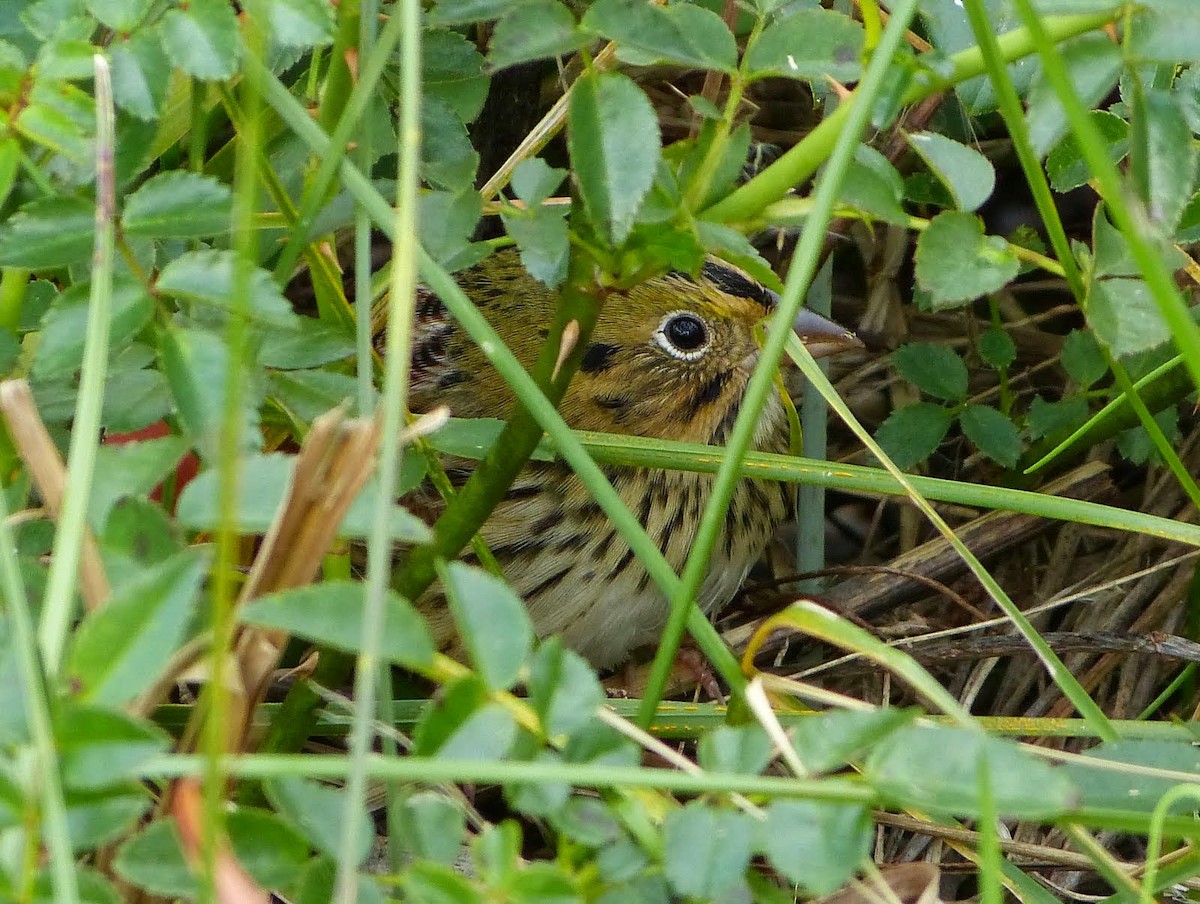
[[451, 378], [616, 404], [549, 583], [598, 358]]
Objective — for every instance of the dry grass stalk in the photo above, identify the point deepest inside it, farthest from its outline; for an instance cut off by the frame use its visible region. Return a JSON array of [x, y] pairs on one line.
[[49, 473], [333, 466]]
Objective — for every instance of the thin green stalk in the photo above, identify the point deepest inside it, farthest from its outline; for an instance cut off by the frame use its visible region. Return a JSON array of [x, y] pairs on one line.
[[989, 854], [1014, 120], [800, 274], [47, 775], [614, 449], [1035, 177], [1154, 839], [435, 770], [401, 299], [1131, 220], [317, 188], [802, 160], [215, 730], [59, 603]]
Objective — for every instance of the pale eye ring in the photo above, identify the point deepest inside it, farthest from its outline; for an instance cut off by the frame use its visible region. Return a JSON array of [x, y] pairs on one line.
[[683, 335]]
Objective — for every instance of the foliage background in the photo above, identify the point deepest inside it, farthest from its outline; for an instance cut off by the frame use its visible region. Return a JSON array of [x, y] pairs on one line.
[[180, 187]]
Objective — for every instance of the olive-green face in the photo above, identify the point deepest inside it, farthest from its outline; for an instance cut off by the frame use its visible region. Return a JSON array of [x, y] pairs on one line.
[[671, 358]]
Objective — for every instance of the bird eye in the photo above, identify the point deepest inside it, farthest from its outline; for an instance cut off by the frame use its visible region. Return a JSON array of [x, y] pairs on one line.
[[683, 335]]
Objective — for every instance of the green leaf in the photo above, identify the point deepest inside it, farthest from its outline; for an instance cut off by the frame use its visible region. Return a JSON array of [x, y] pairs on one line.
[[1051, 418], [495, 852], [119, 15], [1022, 785], [433, 828], [966, 173], [462, 12], [307, 394], [45, 124], [300, 23], [534, 180], [203, 40], [311, 344], [10, 160], [912, 433], [1165, 32], [64, 329], [436, 883], [474, 437], [1093, 63], [133, 399], [119, 650], [263, 484], [815, 844], [448, 221], [208, 277], [544, 883], [533, 30], [934, 369], [197, 366], [48, 233], [141, 74], [811, 44], [1188, 230], [1162, 157], [453, 72], [93, 887], [563, 688], [874, 186], [447, 158], [67, 55], [683, 34], [743, 749], [543, 237], [1065, 164], [992, 433], [705, 850], [614, 142], [316, 810], [178, 204], [331, 613], [491, 620], [997, 348], [1124, 316], [829, 741], [268, 847], [315, 884], [1132, 790], [956, 262], [1135, 444], [483, 733], [100, 747], [131, 469], [96, 817], [10, 350], [1083, 359]]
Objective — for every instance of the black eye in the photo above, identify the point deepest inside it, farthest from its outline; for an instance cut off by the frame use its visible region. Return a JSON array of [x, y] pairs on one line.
[[684, 334]]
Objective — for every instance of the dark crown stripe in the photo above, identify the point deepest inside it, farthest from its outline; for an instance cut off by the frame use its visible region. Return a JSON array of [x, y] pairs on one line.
[[732, 282]]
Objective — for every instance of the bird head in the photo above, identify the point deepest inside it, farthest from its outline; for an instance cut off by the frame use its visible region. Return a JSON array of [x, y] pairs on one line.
[[671, 358]]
